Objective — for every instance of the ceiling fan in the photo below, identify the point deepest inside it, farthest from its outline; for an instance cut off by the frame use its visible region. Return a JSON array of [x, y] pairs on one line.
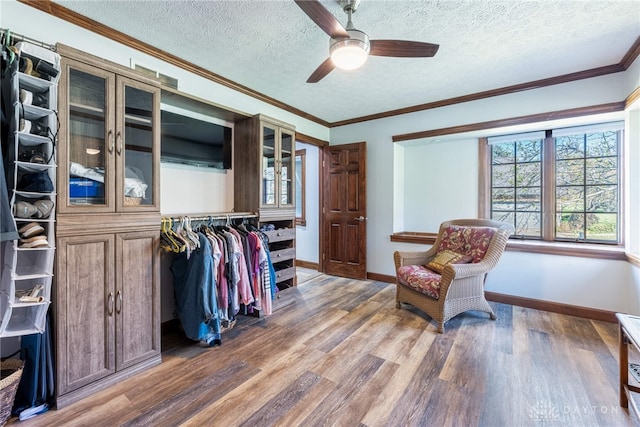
[[349, 47]]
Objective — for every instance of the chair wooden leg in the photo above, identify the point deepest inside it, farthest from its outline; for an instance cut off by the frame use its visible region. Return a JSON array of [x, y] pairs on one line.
[[441, 327], [397, 304]]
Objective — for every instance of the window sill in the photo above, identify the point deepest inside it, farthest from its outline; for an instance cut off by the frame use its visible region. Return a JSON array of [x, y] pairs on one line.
[[584, 250]]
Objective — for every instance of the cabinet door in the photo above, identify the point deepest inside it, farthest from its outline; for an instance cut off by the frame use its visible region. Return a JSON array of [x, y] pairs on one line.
[[286, 172], [137, 298], [137, 146], [85, 310], [86, 164], [269, 166]]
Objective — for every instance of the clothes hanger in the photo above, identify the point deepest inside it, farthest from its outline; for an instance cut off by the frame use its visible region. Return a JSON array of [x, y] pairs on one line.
[[167, 234], [192, 235]]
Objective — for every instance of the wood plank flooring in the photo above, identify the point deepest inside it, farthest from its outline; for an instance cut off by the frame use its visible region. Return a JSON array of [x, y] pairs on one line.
[[336, 352]]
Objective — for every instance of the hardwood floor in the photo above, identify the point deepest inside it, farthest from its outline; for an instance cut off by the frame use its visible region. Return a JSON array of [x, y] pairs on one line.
[[337, 352]]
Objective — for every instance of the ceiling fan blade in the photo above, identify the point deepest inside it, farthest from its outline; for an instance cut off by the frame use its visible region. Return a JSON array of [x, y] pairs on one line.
[[402, 48], [325, 68], [323, 18]]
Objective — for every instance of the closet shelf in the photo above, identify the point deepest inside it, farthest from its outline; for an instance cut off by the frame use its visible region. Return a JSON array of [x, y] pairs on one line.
[[32, 195], [34, 167], [31, 139], [32, 112], [35, 84]]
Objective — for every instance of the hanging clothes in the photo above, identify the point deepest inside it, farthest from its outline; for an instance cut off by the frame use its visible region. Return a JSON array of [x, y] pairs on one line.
[[224, 271], [196, 301]]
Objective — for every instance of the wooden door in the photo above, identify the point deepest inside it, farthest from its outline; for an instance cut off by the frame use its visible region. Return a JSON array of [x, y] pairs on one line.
[[344, 225], [137, 298], [84, 311]]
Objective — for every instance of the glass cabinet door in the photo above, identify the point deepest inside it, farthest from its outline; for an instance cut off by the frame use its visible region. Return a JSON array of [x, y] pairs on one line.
[[90, 139], [269, 166], [287, 175], [135, 146]]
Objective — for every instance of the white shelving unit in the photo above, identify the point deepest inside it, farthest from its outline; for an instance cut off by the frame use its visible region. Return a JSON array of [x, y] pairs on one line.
[[25, 268]]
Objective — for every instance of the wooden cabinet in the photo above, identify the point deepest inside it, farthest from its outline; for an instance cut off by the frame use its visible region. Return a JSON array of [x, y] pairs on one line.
[[264, 162], [107, 311], [107, 293], [264, 180], [111, 156]]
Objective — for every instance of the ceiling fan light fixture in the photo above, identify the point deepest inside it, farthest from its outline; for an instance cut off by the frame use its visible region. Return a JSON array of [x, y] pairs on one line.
[[351, 53]]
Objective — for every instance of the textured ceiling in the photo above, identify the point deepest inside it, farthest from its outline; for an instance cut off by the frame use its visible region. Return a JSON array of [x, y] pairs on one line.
[[272, 46]]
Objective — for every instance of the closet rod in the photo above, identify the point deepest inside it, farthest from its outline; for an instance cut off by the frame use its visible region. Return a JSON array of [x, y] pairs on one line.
[[9, 33], [216, 216]]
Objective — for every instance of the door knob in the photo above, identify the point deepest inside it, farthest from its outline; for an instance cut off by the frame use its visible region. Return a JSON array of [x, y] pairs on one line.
[[360, 218]]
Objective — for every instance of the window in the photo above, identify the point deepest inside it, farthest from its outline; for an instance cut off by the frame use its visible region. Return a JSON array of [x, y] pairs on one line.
[[559, 185], [301, 159]]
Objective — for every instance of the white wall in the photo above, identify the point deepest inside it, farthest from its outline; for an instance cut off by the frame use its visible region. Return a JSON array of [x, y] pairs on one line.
[[307, 236], [446, 189]]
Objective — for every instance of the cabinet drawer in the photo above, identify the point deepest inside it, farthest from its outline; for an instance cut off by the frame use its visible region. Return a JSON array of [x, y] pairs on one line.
[[283, 255], [285, 273], [281, 234]]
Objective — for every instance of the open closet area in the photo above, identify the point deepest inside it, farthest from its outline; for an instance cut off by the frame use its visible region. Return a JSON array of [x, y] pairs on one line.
[[164, 209]]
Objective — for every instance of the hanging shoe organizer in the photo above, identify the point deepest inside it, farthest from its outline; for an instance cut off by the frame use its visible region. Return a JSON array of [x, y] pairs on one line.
[[27, 263]]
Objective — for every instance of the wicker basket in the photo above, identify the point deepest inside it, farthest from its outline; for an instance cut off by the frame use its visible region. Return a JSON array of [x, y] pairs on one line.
[[8, 387], [132, 201]]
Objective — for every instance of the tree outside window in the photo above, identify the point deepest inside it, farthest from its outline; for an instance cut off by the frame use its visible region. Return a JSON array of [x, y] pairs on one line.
[[561, 184]]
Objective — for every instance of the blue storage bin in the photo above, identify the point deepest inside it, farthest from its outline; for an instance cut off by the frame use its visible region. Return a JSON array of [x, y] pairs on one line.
[[83, 187]]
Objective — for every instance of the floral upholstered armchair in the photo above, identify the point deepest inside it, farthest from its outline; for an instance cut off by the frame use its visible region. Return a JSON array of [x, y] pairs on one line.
[[448, 279]]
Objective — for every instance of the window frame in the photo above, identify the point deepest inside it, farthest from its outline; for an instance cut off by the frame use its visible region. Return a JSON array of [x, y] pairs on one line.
[[548, 238], [302, 191]]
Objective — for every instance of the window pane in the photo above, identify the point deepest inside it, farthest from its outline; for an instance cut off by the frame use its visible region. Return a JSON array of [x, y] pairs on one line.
[[570, 199], [528, 174], [602, 144], [504, 176], [528, 151], [602, 227], [602, 198], [516, 178], [602, 170], [570, 172], [528, 224], [587, 208], [298, 186], [502, 153], [570, 226], [570, 147], [508, 217], [528, 199], [503, 199]]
